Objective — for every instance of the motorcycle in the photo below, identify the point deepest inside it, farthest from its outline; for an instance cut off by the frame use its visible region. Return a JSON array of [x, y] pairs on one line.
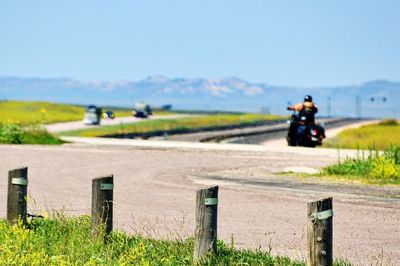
[[302, 134]]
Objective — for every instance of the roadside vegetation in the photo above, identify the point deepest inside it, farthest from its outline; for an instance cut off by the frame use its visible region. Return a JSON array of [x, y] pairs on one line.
[[182, 125], [28, 113], [21, 122], [68, 241], [15, 134], [374, 168], [378, 136]]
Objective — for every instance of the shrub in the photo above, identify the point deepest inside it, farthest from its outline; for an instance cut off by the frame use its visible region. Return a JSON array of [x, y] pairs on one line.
[[11, 133], [350, 167], [389, 122], [15, 134], [385, 168], [393, 152], [41, 136]]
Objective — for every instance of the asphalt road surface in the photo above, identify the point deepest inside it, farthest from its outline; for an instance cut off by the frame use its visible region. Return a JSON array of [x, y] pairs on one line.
[[248, 134], [155, 183], [330, 132]]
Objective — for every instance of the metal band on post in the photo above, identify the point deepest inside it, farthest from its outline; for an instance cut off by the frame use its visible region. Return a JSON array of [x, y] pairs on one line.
[[106, 186], [102, 204], [19, 181], [325, 214], [210, 201], [16, 198], [319, 232]]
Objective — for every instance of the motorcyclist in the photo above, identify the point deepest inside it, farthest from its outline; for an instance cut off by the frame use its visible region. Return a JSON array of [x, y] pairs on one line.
[[307, 111]]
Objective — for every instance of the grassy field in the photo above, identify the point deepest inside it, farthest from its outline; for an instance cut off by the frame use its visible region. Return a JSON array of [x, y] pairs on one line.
[[378, 136], [21, 122], [68, 241], [176, 125], [28, 113], [371, 168]]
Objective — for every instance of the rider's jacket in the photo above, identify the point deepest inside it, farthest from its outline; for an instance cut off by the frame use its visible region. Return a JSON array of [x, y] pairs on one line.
[[307, 110]]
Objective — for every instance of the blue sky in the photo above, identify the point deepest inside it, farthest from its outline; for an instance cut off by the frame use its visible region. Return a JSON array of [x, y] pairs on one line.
[[300, 43]]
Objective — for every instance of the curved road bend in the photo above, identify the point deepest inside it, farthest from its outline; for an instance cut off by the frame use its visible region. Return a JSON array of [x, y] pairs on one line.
[[155, 183], [247, 135]]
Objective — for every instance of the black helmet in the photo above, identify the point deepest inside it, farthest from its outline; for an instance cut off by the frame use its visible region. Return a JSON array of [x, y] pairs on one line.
[[307, 98]]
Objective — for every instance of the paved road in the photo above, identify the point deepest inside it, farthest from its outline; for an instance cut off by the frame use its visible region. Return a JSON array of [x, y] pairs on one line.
[[75, 125], [248, 134], [155, 183], [280, 141]]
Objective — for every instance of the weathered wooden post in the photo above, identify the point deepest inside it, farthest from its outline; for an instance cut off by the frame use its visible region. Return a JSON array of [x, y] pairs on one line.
[[17, 191], [205, 239], [319, 232], [102, 204]]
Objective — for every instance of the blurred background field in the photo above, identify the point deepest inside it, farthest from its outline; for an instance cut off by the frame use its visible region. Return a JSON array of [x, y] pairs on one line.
[[28, 113], [21, 122], [377, 136], [203, 122]]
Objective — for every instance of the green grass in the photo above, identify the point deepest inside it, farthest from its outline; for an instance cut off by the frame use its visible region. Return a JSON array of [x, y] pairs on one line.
[[21, 121], [28, 113], [15, 134], [176, 125], [68, 241], [378, 136], [374, 168], [41, 136], [120, 112]]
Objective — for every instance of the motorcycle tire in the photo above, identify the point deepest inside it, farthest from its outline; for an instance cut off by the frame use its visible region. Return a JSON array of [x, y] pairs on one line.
[[291, 142]]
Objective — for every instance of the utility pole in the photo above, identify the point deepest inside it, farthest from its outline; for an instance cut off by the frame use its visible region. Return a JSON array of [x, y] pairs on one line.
[[329, 107], [377, 100], [358, 107]]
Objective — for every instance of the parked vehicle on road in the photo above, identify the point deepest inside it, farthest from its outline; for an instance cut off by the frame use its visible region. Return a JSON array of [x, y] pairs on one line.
[[108, 115], [303, 134], [92, 115], [142, 110]]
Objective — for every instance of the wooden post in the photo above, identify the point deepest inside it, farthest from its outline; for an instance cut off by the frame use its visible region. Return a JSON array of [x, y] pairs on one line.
[[319, 232], [205, 240], [17, 191], [102, 205]]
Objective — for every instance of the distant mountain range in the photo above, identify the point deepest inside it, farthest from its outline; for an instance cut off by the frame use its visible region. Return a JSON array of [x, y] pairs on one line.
[[379, 98]]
